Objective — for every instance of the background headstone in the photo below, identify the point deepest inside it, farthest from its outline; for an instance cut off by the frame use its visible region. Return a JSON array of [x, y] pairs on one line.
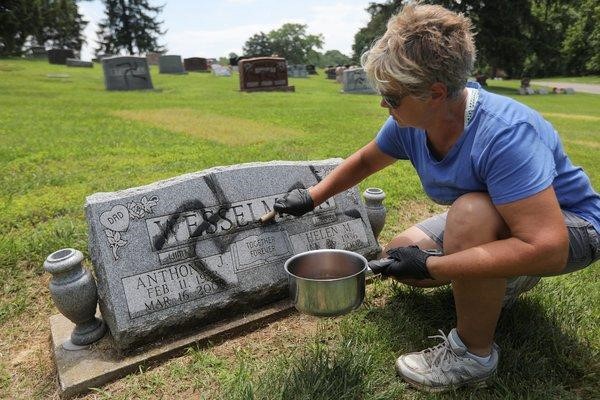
[[220, 70], [170, 64], [355, 81], [197, 64], [297, 71], [152, 58], [73, 62], [190, 250], [312, 70], [126, 73], [339, 74], [330, 73], [264, 74], [59, 56], [37, 52]]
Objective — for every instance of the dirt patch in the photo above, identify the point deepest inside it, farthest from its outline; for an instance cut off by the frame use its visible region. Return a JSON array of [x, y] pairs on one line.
[[585, 143], [218, 128], [577, 117]]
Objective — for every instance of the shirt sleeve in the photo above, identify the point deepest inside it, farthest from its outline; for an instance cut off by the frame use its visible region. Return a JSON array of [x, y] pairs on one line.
[[389, 140], [517, 164]]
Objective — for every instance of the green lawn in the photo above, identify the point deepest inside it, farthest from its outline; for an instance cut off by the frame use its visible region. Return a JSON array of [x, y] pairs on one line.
[[63, 138]]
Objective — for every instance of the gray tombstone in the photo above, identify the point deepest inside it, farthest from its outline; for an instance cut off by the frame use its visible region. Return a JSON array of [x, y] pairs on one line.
[[170, 64], [152, 58], [37, 52], [73, 62], [297, 71], [220, 70], [186, 251], [126, 73], [355, 81]]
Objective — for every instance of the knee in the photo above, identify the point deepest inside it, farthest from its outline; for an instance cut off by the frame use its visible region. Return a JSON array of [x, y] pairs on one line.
[[472, 220]]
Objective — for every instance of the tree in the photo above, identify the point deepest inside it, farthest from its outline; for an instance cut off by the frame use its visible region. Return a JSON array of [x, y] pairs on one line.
[[129, 25], [63, 27], [56, 23], [258, 45], [581, 47], [532, 37], [290, 41]]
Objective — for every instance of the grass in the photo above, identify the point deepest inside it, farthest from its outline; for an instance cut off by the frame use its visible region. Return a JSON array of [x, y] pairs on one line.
[[63, 138]]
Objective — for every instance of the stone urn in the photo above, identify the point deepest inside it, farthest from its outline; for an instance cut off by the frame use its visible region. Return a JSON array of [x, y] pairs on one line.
[[73, 290], [376, 211]]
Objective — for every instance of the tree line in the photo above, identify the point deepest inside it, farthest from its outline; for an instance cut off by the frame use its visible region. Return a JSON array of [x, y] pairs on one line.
[[129, 26], [516, 37], [520, 37]]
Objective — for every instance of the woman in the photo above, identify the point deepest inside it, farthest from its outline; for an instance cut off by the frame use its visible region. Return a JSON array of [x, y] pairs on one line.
[[518, 208]]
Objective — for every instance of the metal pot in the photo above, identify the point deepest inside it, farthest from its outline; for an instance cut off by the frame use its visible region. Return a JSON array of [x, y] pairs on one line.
[[327, 282]]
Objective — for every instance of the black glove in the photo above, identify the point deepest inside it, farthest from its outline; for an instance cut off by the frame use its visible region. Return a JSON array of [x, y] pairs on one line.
[[297, 203], [404, 263]]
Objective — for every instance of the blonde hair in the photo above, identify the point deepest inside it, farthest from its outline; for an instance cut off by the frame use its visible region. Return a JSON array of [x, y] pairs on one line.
[[423, 44]]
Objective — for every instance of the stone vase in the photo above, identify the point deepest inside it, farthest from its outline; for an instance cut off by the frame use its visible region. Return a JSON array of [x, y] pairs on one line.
[[73, 290], [376, 211]]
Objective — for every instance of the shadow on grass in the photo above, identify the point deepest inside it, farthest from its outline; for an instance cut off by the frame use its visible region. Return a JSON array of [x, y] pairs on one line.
[[538, 358], [502, 90]]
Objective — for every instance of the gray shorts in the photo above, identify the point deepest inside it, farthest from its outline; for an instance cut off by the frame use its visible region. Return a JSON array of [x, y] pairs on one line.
[[584, 240]]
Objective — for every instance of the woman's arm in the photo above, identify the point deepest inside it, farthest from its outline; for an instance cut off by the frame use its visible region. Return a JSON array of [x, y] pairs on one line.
[[364, 162]]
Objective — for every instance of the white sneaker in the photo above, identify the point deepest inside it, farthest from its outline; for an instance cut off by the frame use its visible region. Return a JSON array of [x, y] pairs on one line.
[[445, 366]]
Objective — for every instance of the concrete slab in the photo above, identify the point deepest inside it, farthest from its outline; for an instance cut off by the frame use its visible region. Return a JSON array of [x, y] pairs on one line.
[[100, 363]]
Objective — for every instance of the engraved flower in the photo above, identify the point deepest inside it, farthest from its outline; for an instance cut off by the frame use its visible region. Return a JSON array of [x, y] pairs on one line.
[[148, 204], [136, 210]]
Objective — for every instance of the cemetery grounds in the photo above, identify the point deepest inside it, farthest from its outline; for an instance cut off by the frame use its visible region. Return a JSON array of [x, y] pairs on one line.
[[63, 137]]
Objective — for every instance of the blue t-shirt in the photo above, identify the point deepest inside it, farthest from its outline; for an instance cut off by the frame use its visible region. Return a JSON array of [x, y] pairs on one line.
[[507, 150]]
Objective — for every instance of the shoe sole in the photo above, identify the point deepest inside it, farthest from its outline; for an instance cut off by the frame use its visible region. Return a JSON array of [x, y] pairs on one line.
[[474, 383], [478, 384]]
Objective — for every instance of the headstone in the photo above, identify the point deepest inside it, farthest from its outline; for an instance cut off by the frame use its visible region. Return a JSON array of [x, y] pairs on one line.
[[38, 52], [220, 70], [196, 64], [331, 74], [297, 71], [152, 58], [59, 56], [355, 81], [569, 90], [73, 62], [126, 73], [339, 74], [311, 69], [170, 64], [542, 90], [264, 74], [183, 252]]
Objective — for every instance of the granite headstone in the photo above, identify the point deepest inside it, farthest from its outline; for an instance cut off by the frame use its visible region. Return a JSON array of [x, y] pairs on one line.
[[37, 52], [170, 64], [59, 56], [297, 71], [264, 74], [355, 81], [183, 252], [196, 64], [152, 58], [73, 62], [126, 73], [220, 70], [312, 70], [330, 73]]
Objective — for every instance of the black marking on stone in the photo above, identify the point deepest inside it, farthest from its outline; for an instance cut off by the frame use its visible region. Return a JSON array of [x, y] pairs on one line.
[[316, 173], [353, 212]]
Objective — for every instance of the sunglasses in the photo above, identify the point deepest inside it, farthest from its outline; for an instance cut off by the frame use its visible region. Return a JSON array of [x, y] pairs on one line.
[[392, 101]]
